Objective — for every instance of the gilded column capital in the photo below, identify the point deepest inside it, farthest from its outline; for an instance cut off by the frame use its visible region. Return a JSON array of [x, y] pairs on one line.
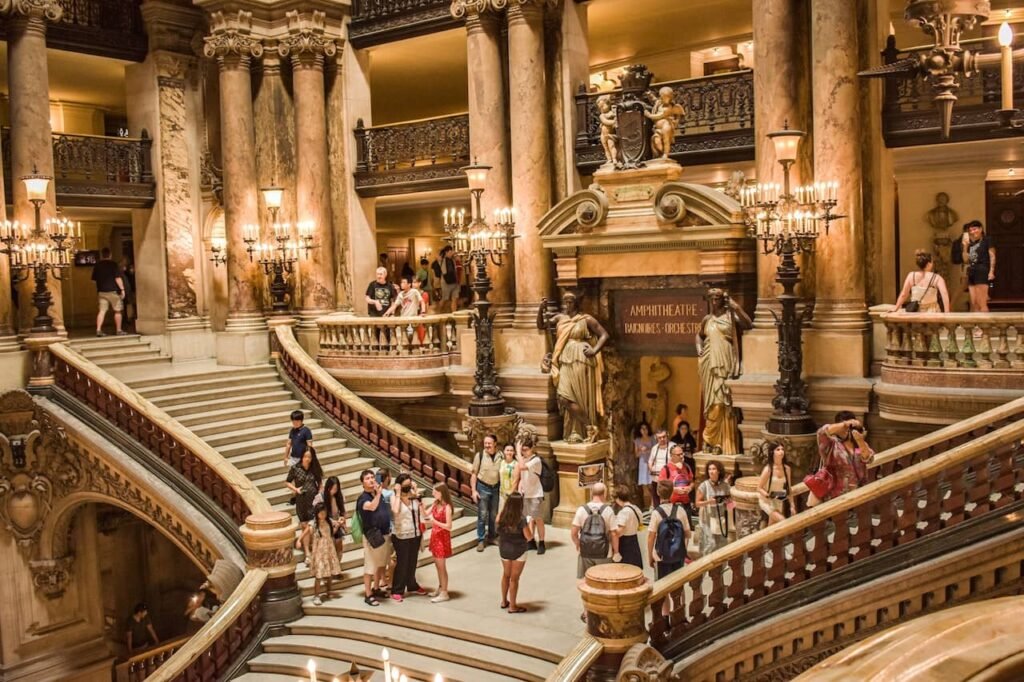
[[474, 8], [36, 12], [528, 7], [172, 69], [231, 40], [306, 43]]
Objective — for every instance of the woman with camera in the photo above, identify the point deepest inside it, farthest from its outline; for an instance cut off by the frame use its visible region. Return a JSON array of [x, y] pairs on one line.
[[924, 291], [406, 536], [775, 490], [845, 455], [713, 509]]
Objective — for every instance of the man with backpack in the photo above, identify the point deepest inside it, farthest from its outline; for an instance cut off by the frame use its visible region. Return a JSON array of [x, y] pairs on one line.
[[535, 480], [594, 532], [486, 486], [666, 536]]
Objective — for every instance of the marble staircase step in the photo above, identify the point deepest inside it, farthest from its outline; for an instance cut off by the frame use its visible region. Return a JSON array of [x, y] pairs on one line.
[[201, 382], [94, 342], [347, 471], [136, 350], [275, 453], [205, 394], [328, 459], [273, 433], [131, 362], [277, 408], [241, 400], [190, 377], [237, 446], [252, 420]]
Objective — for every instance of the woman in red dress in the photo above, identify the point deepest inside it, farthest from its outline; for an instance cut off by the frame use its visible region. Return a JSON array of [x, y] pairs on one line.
[[441, 539]]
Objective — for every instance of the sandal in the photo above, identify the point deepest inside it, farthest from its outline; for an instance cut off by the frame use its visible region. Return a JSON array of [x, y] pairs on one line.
[[504, 604], [518, 609], [371, 601]]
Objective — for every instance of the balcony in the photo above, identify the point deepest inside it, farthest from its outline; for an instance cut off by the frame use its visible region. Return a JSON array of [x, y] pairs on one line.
[[380, 21], [909, 114], [419, 156], [718, 126], [107, 28], [390, 357], [91, 170]]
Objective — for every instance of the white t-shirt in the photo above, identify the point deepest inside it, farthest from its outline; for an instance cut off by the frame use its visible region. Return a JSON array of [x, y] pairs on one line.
[[628, 520], [608, 515], [530, 484], [660, 456]]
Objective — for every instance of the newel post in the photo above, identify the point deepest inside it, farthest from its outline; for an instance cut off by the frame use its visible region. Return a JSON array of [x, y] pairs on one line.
[[615, 597], [268, 538]]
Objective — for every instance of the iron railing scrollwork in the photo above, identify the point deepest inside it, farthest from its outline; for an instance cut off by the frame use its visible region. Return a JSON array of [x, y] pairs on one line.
[[108, 28], [379, 21], [415, 156], [718, 124]]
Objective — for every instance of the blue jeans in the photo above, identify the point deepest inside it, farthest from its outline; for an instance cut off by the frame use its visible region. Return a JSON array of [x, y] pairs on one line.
[[487, 510]]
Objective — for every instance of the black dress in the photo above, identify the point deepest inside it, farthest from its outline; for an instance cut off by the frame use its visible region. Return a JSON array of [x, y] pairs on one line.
[[308, 485]]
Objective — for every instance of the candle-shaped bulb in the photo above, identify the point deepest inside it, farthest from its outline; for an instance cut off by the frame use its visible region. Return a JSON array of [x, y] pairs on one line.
[[395, 674], [438, 678], [1005, 35]]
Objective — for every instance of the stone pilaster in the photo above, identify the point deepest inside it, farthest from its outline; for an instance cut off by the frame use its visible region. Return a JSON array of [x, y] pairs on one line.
[[31, 136], [232, 43], [8, 339], [344, 201], [531, 153], [269, 538], [307, 46]]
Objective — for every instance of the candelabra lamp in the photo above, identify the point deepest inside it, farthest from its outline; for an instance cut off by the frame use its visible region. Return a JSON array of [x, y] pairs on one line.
[[46, 247], [480, 242], [788, 222]]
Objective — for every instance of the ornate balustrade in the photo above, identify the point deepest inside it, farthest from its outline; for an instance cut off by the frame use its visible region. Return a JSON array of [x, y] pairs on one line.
[[909, 114], [108, 28], [711, 595], [142, 665], [384, 435], [381, 21], [418, 156], [227, 636], [718, 125], [152, 428], [93, 170]]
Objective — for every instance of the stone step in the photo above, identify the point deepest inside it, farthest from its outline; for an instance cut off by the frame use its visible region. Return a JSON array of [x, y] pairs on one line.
[[215, 372], [277, 431], [132, 351], [276, 453], [347, 470], [130, 362], [206, 381], [402, 638], [276, 467], [241, 400], [275, 409], [103, 341], [279, 419], [256, 443], [188, 395]]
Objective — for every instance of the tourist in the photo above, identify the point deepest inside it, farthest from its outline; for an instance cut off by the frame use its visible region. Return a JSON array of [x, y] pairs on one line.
[[375, 519], [423, 274], [305, 480], [440, 519], [408, 302], [323, 561], [485, 482], [383, 477], [657, 461], [380, 295], [683, 436], [682, 415], [513, 536], [128, 279], [109, 291], [845, 454], [925, 289], [384, 262], [408, 272], [628, 519], [334, 500], [509, 471], [714, 507], [406, 537], [421, 330], [139, 631], [300, 438], [978, 254], [666, 538], [680, 475], [595, 534], [774, 488], [201, 607], [531, 466], [643, 441], [446, 278]]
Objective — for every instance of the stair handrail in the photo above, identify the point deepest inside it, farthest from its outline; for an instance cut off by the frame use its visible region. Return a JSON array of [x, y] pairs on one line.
[[800, 526], [576, 663], [387, 436], [215, 476], [229, 631], [134, 668]]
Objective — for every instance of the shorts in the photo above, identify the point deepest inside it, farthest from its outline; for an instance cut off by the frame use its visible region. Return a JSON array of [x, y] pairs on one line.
[[664, 568], [976, 276], [110, 299], [449, 292], [376, 559], [582, 564], [532, 507]]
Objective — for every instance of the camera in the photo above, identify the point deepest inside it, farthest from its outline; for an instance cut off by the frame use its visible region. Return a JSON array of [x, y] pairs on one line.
[[720, 498], [779, 494]]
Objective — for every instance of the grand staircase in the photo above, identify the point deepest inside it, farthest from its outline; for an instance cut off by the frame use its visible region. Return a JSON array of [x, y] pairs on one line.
[[243, 413]]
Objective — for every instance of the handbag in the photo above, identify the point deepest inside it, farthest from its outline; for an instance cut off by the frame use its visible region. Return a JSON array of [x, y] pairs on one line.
[[820, 482], [913, 306], [373, 536], [356, 528]]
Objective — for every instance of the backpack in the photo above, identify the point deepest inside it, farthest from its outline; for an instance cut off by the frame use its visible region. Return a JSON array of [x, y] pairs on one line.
[[547, 476], [594, 534], [671, 541]]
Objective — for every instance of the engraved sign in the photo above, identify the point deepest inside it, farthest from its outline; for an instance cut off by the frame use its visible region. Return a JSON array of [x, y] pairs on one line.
[[658, 321]]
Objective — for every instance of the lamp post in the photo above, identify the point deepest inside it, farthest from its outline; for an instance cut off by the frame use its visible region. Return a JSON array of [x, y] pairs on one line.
[[48, 246], [479, 242], [787, 222]]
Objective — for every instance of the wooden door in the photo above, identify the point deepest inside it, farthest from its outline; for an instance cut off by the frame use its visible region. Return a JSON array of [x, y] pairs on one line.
[[1004, 206]]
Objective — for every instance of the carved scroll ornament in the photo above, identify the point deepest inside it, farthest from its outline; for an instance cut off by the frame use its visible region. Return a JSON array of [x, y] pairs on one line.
[[306, 40], [231, 38], [33, 9]]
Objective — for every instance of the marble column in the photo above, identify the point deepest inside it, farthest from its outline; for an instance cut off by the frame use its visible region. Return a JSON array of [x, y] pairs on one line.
[[8, 338], [307, 45], [232, 43], [840, 308], [340, 149], [531, 153], [488, 135], [31, 137]]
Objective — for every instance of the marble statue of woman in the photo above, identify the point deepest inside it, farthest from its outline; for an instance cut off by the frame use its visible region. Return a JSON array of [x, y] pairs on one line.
[[576, 368], [717, 362]]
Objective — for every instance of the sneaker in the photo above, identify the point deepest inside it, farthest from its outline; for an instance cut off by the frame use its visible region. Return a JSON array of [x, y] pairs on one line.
[[541, 548], [397, 597], [122, 333], [420, 592], [442, 597], [99, 334], [480, 546], [532, 544], [316, 601], [434, 594]]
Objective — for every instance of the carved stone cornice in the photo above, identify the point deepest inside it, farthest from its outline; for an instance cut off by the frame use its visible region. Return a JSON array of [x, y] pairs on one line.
[[171, 26], [474, 8], [172, 69], [306, 43], [39, 10], [231, 40]]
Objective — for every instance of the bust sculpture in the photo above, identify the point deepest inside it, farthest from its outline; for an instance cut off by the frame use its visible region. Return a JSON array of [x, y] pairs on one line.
[[609, 130], [575, 366], [942, 216], [718, 360], [666, 114]]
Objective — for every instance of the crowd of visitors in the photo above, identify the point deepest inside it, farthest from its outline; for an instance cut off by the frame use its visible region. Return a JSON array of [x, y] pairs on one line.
[[926, 291]]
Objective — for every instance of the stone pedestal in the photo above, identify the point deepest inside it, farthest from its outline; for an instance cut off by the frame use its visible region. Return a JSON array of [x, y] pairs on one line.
[[190, 338], [474, 429], [636, 187], [615, 599], [269, 538], [734, 465], [41, 374], [748, 510], [570, 456]]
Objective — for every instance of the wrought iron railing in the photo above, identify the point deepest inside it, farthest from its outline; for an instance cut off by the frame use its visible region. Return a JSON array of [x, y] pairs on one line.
[[379, 21], [415, 156], [108, 28], [718, 124]]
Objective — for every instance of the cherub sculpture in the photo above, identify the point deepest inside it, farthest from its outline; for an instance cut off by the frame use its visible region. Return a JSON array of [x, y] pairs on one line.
[[609, 130], [665, 113]]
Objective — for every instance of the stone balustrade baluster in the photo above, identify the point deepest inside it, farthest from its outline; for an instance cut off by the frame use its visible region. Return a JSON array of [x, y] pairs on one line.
[[1016, 355], [950, 347], [1000, 349], [919, 347], [967, 349]]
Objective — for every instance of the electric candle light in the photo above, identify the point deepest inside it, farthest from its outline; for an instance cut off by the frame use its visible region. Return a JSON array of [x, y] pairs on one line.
[[1006, 53], [311, 667], [386, 657]]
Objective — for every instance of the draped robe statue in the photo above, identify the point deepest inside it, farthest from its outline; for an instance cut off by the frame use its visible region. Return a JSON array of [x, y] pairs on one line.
[[717, 362]]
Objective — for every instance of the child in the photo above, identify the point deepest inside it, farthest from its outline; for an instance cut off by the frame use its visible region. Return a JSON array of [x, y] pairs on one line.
[[441, 539], [323, 562]]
